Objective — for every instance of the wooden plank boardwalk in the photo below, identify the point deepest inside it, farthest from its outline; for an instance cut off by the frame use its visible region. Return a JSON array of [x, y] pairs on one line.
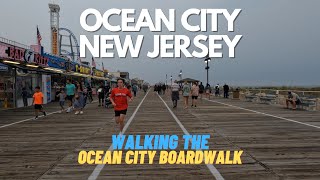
[[277, 143]]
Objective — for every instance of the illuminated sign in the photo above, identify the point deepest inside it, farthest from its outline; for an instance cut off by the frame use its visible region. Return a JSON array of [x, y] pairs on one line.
[[19, 54], [11, 53], [56, 62], [83, 69], [98, 73], [54, 42], [40, 60]]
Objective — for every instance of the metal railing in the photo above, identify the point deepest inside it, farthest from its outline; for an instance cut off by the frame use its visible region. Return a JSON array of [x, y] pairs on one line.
[[14, 43], [315, 94], [282, 94]]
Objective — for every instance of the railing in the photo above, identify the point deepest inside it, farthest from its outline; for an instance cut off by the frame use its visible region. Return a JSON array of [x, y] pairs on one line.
[[315, 94], [282, 94], [14, 43]]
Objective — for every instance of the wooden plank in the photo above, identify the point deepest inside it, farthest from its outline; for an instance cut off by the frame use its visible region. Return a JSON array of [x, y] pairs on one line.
[[273, 148]]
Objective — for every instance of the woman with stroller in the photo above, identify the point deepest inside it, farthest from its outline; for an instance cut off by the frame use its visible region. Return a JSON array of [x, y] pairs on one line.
[[79, 99]]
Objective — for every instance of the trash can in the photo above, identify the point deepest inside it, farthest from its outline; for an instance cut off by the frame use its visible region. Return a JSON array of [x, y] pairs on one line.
[[236, 94]]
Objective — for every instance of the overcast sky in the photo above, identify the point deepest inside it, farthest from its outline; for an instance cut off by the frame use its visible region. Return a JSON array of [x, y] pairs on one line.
[[280, 41]]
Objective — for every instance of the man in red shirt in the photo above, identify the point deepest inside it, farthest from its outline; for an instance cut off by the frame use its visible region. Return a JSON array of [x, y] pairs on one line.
[[119, 99]]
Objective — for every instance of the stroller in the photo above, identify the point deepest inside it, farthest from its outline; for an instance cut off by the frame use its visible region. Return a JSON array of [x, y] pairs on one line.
[[107, 100]]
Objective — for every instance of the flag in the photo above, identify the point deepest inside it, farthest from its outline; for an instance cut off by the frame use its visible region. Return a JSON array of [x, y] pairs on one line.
[[39, 38], [93, 64], [102, 67]]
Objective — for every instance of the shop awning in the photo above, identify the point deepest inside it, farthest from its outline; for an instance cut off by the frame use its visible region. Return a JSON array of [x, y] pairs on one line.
[[100, 78], [76, 74]]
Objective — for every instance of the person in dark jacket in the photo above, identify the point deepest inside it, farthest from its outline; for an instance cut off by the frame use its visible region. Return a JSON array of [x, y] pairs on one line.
[[101, 93], [226, 91], [164, 87], [201, 89], [24, 95]]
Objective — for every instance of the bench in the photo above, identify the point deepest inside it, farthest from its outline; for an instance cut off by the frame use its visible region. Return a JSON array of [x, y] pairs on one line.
[[268, 99], [307, 104], [250, 98]]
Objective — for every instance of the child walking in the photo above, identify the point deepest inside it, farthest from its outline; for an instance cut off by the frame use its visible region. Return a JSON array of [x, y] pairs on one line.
[[37, 102], [62, 98]]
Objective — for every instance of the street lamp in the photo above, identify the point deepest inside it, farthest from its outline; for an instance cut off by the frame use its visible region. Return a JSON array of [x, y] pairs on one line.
[[207, 60], [180, 75], [171, 79]]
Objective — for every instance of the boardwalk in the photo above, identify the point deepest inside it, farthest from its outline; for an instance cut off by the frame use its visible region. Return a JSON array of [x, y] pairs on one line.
[[277, 143]]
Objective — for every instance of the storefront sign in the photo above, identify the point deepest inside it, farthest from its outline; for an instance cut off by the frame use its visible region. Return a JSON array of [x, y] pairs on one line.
[[98, 73], [71, 66], [54, 41], [11, 53], [48, 87], [83, 69], [19, 54], [40, 60], [3, 68], [55, 62]]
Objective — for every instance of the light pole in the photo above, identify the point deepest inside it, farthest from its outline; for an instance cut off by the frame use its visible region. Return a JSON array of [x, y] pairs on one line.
[[166, 79], [171, 79], [207, 60], [180, 75]]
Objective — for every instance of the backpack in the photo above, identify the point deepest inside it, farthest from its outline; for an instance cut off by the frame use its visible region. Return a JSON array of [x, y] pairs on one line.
[[186, 89]]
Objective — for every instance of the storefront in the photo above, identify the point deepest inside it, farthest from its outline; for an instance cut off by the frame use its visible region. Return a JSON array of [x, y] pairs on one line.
[[57, 66], [28, 80], [21, 70], [97, 79], [7, 98], [25, 71]]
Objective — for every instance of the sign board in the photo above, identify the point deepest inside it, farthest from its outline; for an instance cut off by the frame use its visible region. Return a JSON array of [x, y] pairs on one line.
[[56, 62], [3, 67], [9, 52], [54, 44]]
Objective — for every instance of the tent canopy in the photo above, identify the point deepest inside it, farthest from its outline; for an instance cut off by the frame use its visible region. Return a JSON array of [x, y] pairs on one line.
[[189, 80]]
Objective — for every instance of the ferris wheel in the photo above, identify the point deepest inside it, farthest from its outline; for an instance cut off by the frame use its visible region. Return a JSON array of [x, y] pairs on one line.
[[68, 45]]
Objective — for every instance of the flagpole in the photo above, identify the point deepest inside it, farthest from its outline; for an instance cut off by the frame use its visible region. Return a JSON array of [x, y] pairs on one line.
[[37, 35]]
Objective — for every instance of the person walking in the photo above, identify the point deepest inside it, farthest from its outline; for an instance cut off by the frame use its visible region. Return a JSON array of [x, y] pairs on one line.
[[134, 89], [85, 93], [164, 87], [226, 91], [101, 93], [70, 91], [119, 99], [79, 99], [155, 88], [208, 91], [89, 93], [195, 93], [145, 88], [159, 88], [24, 95], [217, 90], [186, 93], [201, 90], [175, 93], [38, 102], [62, 97]]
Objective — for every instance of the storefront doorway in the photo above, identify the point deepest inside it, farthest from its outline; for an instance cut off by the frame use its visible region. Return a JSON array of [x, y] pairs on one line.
[[7, 98], [27, 80]]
